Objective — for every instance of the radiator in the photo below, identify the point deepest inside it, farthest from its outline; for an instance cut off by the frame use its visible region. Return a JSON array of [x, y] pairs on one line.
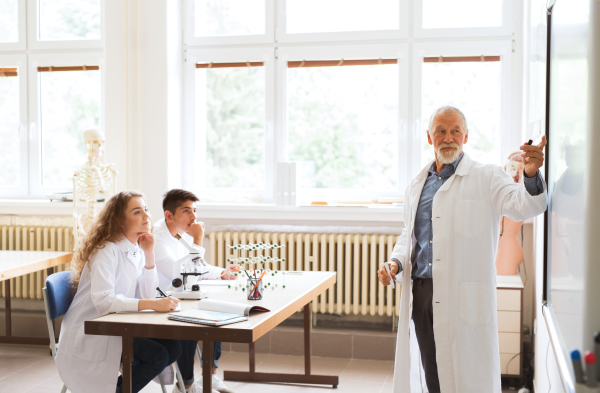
[[355, 259], [24, 238]]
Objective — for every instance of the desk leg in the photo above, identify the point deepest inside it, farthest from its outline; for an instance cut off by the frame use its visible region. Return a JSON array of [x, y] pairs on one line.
[[252, 360], [307, 329], [7, 311], [207, 363], [307, 377], [126, 359], [8, 337]]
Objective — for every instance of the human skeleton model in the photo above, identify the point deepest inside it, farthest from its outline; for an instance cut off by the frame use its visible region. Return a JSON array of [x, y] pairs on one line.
[[510, 252], [94, 179], [257, 264]]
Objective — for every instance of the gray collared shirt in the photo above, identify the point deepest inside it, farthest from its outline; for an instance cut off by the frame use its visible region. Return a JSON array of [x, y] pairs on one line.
[[422, 257]]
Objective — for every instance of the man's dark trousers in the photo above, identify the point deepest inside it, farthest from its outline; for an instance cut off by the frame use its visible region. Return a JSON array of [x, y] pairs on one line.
[[423, 318]]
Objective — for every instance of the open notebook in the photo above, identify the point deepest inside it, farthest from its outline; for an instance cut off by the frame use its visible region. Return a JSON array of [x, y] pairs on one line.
[[217, 313]]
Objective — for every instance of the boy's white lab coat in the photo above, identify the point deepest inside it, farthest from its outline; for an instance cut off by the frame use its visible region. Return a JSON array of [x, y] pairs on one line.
[[116, 281], [466, 213], [168, 250]]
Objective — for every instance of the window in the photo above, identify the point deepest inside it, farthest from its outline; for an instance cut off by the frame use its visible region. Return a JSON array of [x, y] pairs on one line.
[[69, 20], [462, 18], [226, 22], [9, 20], [229, 17], [10, 127], [334, 86], [341, 20], [327, 16], [50, 92], [230, 115], [473, 85], [461, 14], [342, 122], [69, 104]]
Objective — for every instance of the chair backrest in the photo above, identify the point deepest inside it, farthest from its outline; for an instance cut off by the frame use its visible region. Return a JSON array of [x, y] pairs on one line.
[[59, 295]]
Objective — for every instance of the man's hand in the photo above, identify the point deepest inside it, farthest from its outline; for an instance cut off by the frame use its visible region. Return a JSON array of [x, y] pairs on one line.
[[533, 157], [196, 231], [384, 278]]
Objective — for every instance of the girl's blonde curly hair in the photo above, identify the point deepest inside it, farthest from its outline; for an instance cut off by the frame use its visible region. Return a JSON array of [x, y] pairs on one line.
[[107, 227]]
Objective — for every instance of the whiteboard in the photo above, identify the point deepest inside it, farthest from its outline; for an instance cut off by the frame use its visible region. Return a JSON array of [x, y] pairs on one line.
[[569, 175]]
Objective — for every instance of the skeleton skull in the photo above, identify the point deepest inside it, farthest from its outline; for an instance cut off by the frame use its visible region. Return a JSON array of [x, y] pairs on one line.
[[514, 166], [94, 142]]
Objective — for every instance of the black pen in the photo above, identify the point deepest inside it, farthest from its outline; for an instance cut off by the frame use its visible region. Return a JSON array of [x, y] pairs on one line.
[[161, 292]]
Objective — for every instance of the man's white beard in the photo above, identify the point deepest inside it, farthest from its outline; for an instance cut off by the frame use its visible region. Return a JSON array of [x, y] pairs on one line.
[[448, 157]]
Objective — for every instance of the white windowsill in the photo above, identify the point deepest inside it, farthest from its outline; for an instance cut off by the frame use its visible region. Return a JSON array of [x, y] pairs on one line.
[[40, 207], [260, 211]]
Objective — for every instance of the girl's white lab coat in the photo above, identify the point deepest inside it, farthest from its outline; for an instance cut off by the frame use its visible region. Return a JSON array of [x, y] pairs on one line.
[[466, 213], [116, 281]]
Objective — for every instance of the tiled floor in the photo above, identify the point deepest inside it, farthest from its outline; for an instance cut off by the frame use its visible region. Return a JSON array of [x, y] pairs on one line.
[[31, 369]]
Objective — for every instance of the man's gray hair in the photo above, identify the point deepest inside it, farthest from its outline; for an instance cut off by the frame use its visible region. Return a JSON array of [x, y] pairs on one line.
[[447, 110]]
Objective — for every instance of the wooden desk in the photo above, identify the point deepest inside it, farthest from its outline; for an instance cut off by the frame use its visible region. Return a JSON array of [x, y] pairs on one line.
[[18, 263], [299, 292]]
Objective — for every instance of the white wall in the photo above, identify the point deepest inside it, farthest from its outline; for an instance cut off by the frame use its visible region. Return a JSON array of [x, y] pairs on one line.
[[143, 95]]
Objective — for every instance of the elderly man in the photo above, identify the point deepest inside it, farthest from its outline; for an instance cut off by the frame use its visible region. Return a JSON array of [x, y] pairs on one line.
[[445, 257]]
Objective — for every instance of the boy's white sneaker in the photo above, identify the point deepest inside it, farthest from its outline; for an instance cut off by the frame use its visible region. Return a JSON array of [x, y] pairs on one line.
[[217, 384], [195, 388]]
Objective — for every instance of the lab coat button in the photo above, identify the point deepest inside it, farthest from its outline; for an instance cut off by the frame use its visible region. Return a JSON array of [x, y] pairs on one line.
[[431, 241], [440, 178], [430, 264]]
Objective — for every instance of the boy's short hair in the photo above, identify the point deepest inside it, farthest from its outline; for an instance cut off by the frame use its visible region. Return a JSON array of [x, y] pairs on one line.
[[177, 197]]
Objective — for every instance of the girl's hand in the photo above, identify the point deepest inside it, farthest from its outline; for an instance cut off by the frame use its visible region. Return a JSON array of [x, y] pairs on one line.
[[165, 304], [146, 242], [228, 273]]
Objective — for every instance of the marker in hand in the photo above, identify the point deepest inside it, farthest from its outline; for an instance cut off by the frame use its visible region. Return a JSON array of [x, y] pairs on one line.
[[387, 269]]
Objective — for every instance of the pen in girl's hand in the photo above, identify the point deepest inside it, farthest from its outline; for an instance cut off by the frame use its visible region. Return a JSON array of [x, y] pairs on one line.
[[161, 292]]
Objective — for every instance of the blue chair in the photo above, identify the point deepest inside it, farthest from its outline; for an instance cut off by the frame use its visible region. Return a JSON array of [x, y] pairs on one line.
[[57, 300]]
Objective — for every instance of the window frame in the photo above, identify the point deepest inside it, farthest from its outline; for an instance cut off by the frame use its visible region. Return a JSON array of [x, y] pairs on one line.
[[400, 33], [190, 29], [19, 61], [21, 42], [432, 42], [194, 56], [456, 32], [387, 51], [34, 43], [421, 50], [35, 149]]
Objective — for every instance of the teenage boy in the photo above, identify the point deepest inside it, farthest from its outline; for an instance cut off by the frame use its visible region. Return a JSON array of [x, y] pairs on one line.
[[180, 217]]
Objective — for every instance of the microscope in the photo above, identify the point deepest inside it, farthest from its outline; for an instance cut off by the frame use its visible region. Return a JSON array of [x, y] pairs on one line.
[[190, 265]]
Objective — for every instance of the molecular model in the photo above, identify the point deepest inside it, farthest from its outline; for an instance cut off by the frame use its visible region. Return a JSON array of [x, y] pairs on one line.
[[257, 267]]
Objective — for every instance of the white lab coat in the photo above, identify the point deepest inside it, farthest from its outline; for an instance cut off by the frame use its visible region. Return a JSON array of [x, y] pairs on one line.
[[116, 281], [466, 213], [167, 250]]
